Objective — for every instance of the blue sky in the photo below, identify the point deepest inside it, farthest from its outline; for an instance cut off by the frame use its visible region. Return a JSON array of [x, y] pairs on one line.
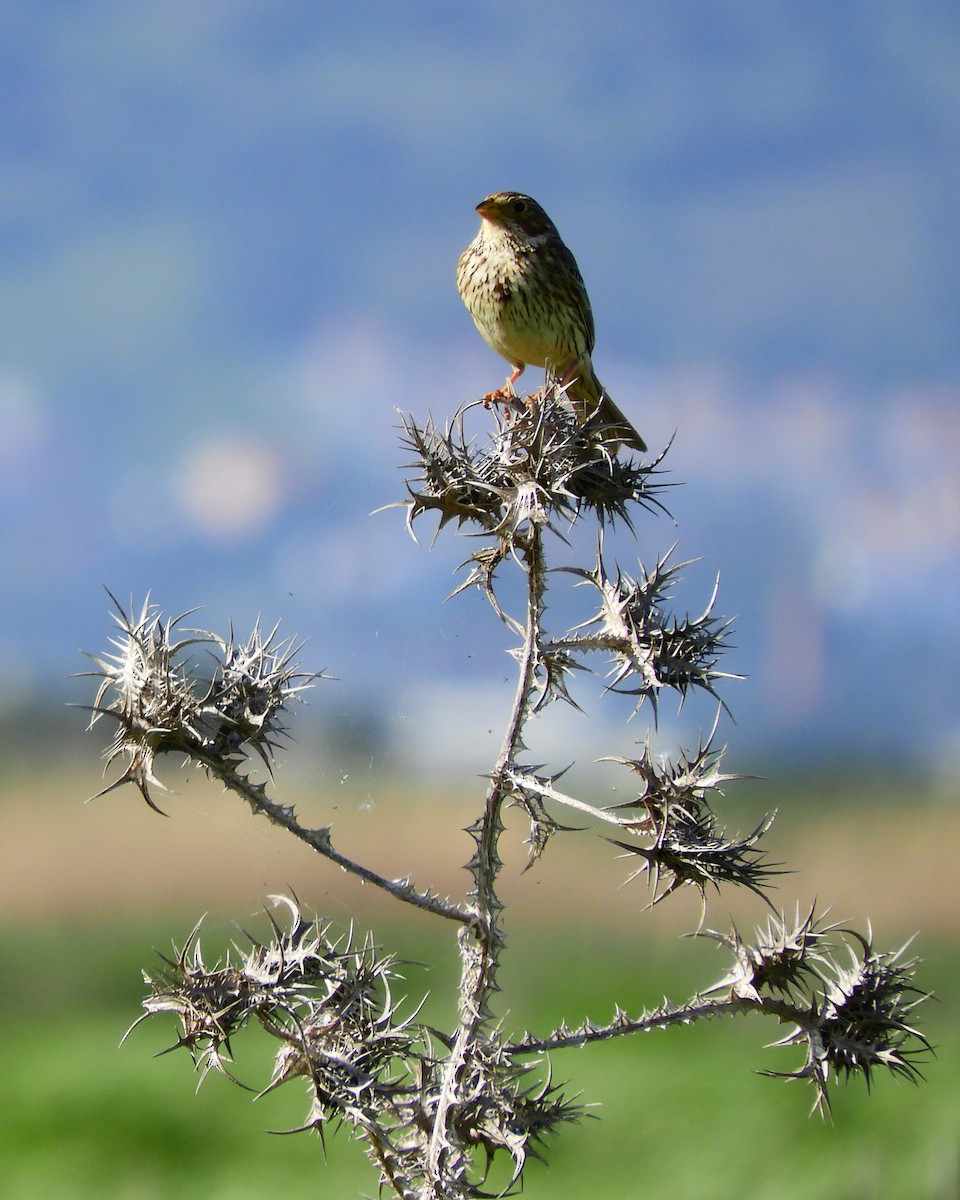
[[228, 234]]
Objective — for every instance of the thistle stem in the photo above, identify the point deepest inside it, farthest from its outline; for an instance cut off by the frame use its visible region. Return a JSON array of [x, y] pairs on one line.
[[685, 1014], [482, 940], [320, 841]]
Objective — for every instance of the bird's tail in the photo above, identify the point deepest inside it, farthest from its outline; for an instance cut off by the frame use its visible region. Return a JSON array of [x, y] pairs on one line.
[[591, 403]]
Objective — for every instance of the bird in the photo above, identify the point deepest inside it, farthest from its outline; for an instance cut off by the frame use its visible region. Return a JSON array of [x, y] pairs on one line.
[[523, 288]]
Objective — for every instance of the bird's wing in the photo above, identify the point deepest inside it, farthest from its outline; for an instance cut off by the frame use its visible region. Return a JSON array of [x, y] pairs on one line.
[[580, 300]]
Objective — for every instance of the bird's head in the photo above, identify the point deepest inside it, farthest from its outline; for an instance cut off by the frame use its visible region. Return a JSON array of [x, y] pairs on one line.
[[517, 213]]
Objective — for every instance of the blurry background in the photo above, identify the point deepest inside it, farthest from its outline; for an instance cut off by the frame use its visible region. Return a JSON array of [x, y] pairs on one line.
[[228, 234]]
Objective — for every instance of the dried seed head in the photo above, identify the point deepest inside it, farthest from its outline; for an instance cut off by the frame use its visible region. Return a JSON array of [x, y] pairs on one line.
[[212, 699], [538, 465]]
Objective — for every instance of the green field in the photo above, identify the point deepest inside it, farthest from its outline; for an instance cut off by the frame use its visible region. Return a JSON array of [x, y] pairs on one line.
[[90, 892], [680, 1114]]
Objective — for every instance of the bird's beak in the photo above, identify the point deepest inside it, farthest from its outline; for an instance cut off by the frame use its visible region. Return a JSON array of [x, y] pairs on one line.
[[488, 210]]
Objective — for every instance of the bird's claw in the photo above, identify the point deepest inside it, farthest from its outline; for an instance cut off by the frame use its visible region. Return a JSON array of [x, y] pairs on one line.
[[503, 395]]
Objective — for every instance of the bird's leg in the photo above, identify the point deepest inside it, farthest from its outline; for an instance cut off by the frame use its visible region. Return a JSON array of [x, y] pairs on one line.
[[508, 392], [568, 376]]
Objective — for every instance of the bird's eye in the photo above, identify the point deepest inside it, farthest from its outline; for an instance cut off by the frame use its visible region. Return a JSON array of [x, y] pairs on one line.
[[519, 206]]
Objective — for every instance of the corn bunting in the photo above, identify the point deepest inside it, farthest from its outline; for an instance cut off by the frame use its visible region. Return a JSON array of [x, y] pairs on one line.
[[526, 295]]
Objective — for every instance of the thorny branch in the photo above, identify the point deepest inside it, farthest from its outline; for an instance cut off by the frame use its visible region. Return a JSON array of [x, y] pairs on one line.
[[165, 700], [434, 1109], [481, 944]]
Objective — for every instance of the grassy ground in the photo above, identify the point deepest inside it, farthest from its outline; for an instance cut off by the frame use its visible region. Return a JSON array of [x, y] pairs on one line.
[[681, 1113], [89, 892]]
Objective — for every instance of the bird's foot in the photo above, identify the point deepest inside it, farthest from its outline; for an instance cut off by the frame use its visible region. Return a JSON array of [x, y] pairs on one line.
[[503, 395]]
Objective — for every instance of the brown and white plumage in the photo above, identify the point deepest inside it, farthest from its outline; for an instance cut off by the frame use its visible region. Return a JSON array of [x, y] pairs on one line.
[[527, 297]]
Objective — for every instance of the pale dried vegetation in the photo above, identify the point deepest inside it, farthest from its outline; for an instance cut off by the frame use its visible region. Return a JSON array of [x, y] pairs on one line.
[[435, 1107]]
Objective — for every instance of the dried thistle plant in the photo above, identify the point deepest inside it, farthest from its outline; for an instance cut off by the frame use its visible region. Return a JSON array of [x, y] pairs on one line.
[[436, 1108]]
